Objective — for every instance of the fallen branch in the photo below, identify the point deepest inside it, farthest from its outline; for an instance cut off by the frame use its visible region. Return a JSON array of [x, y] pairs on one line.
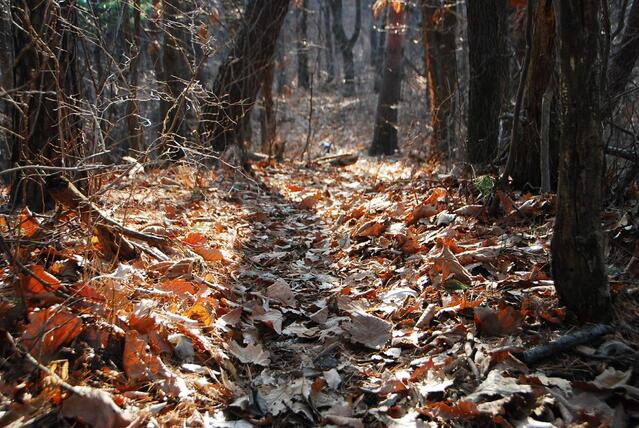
[[339, 160], [565, 343], [65, 193]]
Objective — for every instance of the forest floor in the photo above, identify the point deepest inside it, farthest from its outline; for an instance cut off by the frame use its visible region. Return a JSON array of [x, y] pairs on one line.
[[374, 294]]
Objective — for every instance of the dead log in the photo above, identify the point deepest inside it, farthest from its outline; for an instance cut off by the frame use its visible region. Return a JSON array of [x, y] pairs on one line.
[[565, 343], [338, 160]]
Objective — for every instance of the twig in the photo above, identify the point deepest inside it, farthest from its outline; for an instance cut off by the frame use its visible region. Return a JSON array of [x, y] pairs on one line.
[[565, 343]]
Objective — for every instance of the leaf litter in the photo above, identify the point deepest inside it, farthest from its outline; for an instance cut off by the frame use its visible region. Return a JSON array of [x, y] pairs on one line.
[[359, 296]]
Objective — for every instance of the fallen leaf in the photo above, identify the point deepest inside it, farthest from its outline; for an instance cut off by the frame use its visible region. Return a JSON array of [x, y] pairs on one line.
[[497, 322], [446, 262], [281, 291], [420, 212], [95, 408], [308, 203], [369, 330], [251, 354], [373, 228], [36, 285], [138, 361], [50, 328], [29, 225]]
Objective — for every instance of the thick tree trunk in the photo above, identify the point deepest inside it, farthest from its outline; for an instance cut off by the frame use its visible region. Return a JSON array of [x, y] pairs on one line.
[[302, 46], [241, 74], [526, 164], [439, 26], [381, 43], [578, 264], [45, 71], [385, 136], [346, 44], [487, 62]]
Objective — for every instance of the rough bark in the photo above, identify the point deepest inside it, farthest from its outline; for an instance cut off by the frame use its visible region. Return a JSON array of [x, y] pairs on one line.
[[302, 46], [525, 171], [6, 80], [329, 49], [267, 119], [623, 60], [438, 29], [385, 136], [578, 264], [240, 75], [486, 41], [45, 71], [346, 44]]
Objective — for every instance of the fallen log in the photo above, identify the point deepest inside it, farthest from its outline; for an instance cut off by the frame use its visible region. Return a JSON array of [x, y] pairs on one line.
[[338, 160], [565, 343], [65, 193]]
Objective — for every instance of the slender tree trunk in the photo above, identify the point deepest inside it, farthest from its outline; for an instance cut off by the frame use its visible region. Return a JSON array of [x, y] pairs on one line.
[[176, 72], [526, 163], [267, 120], [329, 46], [6, 81], [385, 136], [439, 31], [624, 58], [346, 44], [136, 133], [240, 75], [379, 49], [302, 46], [49, 131], [578, 264], [486, 60]]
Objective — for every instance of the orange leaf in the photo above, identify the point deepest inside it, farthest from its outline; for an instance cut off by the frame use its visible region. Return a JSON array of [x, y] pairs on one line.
[[308, 203], [497, 323], [195, 239], [398, 5], [37, 285], [419, 212], [210, 254], [50, 328], [200, 313], [29, 225], [372, 228], [178, 286], [139, 363]]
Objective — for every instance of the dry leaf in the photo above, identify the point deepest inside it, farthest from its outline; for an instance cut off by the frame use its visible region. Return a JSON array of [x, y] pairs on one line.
[[369, 330], [497, 322], [139, 364], [95, 408], [419, 212], [35, 285], [50, 328], [373, 228], [281, 291], [252, 354]]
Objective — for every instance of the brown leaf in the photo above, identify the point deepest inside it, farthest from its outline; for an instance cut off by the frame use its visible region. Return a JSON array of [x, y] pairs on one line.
[[95, 408], [369, 330], [446, 262], [281, 291], [35, 285], [251, 354], [420, 212], [308, 203], [373, 228], [50, 328], [497, 323], [139, 364]]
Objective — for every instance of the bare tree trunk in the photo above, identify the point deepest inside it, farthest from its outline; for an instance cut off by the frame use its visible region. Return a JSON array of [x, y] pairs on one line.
[[487, 62], [329, 46], [136, 132], [385, 137], [379, 52], [241, 74], [302, 46], [267, 120], [525, 169], [176, 72], [624, 59], [439, 30], [6, 81], [346, 44], [49, 131], [578, 264]]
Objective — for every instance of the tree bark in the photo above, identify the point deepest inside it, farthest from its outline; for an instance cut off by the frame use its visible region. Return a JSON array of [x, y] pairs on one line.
[[438, 29], [45, 73], [346, 44], [302, 46], [240, 75], [623, 60], [267, 120], [176, 71], [486, 56], [385, 136], [578, 264], [329, 47], [136, 131], [525, 171], [6, 81]]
